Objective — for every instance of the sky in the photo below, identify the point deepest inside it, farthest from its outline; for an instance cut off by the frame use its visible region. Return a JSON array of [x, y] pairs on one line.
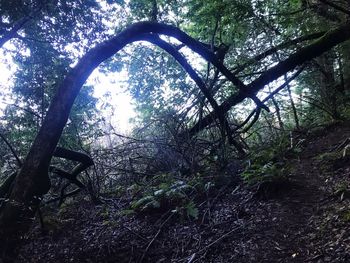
[[114, 84], [6, 79]]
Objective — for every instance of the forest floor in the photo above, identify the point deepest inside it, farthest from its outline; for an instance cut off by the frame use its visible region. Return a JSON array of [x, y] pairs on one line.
[[303, 219]]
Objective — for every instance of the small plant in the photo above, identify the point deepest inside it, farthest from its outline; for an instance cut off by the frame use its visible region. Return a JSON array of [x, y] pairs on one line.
[[145, 203], [105, 213], [329, 156], [346, 216], [342, 190], [188, 210], [166, 195], [170, 193], [260, 173], [192, 210]]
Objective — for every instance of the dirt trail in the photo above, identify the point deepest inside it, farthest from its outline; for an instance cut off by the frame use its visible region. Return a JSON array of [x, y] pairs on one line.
[[304, 224]]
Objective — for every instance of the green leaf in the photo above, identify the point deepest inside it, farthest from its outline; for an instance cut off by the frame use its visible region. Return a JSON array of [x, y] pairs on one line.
[[192, 210]]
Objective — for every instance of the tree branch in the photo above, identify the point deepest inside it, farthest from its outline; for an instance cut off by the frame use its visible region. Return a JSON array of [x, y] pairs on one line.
[[327, 41], [11, 149], [273, 50], [256, 111], [335, 6], [154, 39], [19, 24]]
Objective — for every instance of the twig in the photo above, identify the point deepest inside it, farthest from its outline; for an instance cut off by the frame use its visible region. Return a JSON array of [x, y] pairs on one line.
[[219, 239], [341, 145], [191, 259], [136, 234], [73, 192], [256, 112], [335, 6], [11, 149], [155, 236]]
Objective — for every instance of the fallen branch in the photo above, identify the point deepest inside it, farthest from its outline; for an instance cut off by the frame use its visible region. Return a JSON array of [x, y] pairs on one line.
[[219, 239], [155, 236]]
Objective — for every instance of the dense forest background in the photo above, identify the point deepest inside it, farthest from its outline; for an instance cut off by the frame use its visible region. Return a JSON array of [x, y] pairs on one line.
[[224, 93]]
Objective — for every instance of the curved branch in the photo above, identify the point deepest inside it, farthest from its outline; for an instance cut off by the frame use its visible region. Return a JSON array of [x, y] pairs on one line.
[[327, 41], [154, 39], [335, 6], [18, 25], [256, 114], [33, 181], [84, 160], [203, 51], [63, 174], [73, 156], [273, 50], [59, 109]]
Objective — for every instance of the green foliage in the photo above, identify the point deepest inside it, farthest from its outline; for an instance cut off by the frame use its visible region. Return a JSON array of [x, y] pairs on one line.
[[85, 121], [43, 59], [192, 210], [329, 156], [346, 216], [160, 10], [145, 203], [157, 83], [269, 163], [267, 172], [338, 154], [168, 194], [341, 189]]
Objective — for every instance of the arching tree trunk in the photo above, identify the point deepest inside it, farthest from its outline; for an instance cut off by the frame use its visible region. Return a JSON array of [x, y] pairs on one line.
[[32, 181]]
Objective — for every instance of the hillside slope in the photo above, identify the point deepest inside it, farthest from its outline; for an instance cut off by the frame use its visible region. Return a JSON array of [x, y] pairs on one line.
[[304, 219]]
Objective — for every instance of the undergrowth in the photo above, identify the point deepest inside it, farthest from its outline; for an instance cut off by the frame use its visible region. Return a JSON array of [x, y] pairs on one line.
[[270, 163], [168, 192]]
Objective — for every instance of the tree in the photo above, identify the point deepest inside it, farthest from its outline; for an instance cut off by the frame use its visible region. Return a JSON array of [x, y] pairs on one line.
[[32, 181], [223, 40]]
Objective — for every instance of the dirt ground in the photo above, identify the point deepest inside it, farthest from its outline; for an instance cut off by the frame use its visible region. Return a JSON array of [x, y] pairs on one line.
[[306, 219]]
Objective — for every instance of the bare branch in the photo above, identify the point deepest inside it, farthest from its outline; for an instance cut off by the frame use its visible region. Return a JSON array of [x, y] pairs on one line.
[[11, 149], [327, 41], [273, 50], [335, 6]]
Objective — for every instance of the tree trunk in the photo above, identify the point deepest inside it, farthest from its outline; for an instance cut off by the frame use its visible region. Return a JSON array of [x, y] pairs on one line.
[[292, 104], [32, 181]]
